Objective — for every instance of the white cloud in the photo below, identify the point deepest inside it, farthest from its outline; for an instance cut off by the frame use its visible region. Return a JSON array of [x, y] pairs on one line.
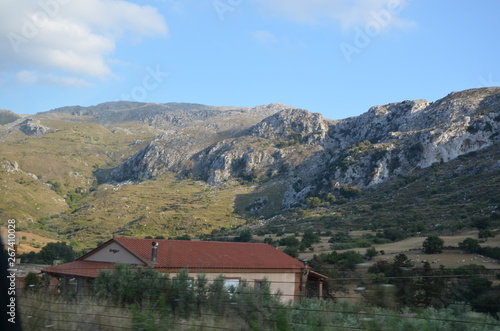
[[27, 77], [347, 13], [72, 37], [263, 37]]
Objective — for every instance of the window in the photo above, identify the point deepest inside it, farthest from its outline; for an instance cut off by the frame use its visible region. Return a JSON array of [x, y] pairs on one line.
[[258, 284], [231, 284]]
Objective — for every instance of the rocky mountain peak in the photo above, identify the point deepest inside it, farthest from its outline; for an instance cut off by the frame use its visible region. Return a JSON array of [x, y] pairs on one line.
[[293, 124], [303, 153], [33, 127], [7, 116]]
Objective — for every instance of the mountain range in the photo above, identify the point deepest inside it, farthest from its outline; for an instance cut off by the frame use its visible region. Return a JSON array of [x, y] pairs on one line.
[[130, 168]]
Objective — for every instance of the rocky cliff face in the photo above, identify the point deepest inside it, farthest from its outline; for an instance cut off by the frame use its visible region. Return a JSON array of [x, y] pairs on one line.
[[400, 136], [185, 133], [33, 127], [309, 154]]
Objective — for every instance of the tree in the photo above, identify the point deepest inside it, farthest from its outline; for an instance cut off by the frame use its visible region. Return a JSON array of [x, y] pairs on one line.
[[351, 192], [183, 237], [371, 253], [290, 241], [313, 202], [245, 236], [481, 223], [292, 251], [394, 274], [124, 285], [470, 245], [56, 251], [310, 237], [218, 296], [485, 234], [31, 280], [433, 245], [348, 260], [269, 241], [181, 295], [393, 234]]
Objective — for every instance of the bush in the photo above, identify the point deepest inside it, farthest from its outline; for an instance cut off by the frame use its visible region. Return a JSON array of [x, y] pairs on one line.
[[433, 245], [310, 237], [341, 246], [125, 286], [485, 234], [51, 252], [313, 202], [341, 237], [292, 251], [351, 192], [290, 241], [31, 281], [268, 240], [470, 245], [371, 253], [245, 236], [392, 234], [180, 294]]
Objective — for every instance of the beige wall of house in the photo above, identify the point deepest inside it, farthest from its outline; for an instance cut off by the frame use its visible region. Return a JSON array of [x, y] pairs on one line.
[[287, 282], [113, 253]]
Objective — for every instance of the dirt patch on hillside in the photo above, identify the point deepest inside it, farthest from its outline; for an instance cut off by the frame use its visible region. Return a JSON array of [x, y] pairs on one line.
[[29, 242]]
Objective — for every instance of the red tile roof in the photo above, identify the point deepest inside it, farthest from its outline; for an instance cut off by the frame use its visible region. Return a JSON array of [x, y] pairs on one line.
[[178, 254], [210, 254], [79, 268]]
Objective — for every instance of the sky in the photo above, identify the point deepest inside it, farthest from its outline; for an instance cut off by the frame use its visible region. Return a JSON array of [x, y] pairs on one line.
[[334, 57]]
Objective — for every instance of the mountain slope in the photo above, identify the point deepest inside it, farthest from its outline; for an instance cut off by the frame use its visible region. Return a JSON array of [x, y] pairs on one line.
[[309, 155], [134, 168], [6, 116]]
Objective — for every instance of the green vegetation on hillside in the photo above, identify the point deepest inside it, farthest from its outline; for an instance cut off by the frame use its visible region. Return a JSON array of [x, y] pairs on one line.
[[443, 199], [6, 116]]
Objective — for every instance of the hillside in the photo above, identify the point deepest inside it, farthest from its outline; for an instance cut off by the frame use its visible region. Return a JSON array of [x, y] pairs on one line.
[[444, 199], [85, 173], [6, 116]]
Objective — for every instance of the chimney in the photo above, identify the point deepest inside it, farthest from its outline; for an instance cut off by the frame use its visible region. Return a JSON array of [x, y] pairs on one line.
[[155, 248]]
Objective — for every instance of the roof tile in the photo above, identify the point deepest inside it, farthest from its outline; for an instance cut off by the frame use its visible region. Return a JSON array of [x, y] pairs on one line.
[[178, 254], [79, 268], [210, 254]]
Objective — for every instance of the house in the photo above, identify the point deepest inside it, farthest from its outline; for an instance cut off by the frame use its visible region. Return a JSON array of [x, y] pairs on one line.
[[236, 261]]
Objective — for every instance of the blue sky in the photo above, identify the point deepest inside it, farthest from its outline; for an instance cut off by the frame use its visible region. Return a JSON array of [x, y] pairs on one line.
[[335, 57]]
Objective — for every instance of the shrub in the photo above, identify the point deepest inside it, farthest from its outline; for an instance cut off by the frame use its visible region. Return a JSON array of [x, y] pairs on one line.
[[31, 281], [245, 236], [310, 237], [371, 253], [292, 251], [470, 245], [125, 286], [290, 241], [51, 252], [433, 245]]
